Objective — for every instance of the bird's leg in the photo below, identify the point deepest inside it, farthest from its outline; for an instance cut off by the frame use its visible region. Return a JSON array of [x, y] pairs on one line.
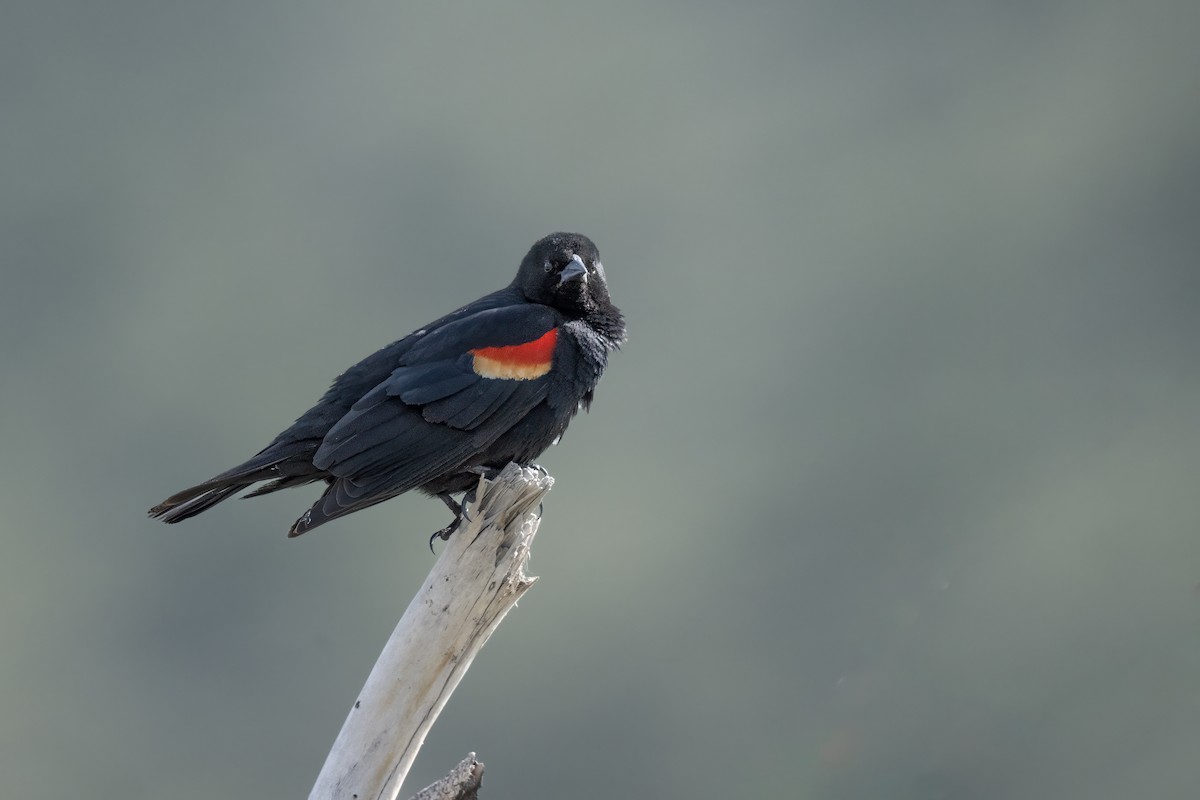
[[452, 504], [460, 509], [460, 512]]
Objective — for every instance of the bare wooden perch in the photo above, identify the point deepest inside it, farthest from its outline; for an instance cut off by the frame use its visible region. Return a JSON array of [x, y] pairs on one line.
[[461, 784], [479, 576]]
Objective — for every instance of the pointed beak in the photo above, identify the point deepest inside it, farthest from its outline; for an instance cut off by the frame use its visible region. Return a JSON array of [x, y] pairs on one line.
[[575, 270]]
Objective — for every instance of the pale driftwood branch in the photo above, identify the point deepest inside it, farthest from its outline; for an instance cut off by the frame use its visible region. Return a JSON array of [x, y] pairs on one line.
[[479, 576], [461, 784]]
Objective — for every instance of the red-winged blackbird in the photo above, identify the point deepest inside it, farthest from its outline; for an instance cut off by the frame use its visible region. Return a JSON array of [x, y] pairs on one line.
[[495, 381]]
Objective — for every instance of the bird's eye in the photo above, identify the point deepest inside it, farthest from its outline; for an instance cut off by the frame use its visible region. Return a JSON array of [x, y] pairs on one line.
[[547, 267]]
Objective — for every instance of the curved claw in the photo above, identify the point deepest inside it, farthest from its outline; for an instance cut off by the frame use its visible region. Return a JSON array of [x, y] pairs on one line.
[[444, 533]]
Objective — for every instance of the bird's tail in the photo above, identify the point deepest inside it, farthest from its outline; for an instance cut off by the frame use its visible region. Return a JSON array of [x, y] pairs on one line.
[[191, 502], [293, 469]]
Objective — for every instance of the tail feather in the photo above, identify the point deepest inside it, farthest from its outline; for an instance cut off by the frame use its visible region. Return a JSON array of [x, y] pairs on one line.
[[292, 469], [282, 483], [189, 502]]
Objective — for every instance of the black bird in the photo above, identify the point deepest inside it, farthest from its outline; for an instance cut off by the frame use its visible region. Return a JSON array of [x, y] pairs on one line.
[[493, 382]]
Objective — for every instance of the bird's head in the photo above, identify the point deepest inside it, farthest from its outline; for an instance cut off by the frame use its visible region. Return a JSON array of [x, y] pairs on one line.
[[563, 271]]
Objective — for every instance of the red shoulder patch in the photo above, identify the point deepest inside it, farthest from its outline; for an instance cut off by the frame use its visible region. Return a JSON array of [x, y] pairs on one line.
[[522, 362]]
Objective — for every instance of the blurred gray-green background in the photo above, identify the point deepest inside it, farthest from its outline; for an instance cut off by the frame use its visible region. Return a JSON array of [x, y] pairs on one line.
[[891, 494]]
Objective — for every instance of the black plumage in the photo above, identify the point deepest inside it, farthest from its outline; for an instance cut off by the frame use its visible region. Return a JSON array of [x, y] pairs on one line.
[[498, 380]]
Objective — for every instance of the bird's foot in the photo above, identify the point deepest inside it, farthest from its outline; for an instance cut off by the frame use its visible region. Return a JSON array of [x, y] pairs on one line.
[[444, 533], [460, 513]]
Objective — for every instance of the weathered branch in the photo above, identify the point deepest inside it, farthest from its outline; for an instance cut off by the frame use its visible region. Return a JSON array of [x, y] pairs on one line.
[[479, 576], [461, 784]]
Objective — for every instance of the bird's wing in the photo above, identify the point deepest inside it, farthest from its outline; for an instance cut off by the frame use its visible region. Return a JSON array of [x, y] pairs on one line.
[[460, 388]]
